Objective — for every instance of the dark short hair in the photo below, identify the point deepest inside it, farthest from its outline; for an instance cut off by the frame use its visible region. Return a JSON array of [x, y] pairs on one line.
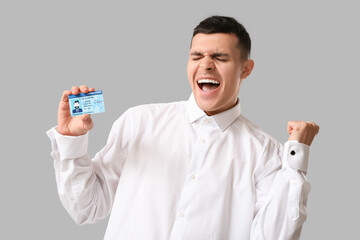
[[223, 24]]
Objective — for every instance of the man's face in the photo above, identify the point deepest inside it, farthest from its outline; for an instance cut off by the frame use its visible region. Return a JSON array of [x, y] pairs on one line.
[[215, 71], [76, 105]]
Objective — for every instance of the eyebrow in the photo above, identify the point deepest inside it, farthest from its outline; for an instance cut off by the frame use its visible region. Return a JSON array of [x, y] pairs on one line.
[[220, 55], [214, 55]]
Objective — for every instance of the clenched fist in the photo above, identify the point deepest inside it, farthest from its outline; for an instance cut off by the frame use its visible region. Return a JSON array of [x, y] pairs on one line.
[[304, 132]]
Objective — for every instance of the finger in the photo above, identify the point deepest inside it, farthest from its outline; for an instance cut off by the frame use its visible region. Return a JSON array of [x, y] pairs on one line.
[[312, 124], [291, 123], [84, 117], [65, 96], [315, 126], [91, 89], [289, 130], [290, 127], [63, 110], [87, 121], [75, 90], [84, 89]]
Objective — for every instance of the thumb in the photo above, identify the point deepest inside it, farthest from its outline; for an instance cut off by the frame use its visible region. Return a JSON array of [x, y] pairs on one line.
[[84, 117], [290, 127], [87, 122]]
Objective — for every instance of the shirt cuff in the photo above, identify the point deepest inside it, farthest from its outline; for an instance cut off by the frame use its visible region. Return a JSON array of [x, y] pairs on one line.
[[68, 146], [296, 155]]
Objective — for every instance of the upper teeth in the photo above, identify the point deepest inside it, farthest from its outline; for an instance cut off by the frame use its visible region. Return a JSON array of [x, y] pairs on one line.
[[208, 81]]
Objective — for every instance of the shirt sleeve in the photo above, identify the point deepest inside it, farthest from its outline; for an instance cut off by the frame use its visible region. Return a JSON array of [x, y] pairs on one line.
[[86, 186], [281, 197]]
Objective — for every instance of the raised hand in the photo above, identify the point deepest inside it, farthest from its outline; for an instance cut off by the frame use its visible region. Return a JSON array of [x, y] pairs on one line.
[[304, 132]]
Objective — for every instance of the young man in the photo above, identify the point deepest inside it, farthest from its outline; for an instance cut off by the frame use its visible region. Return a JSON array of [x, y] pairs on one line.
[[196, 169]]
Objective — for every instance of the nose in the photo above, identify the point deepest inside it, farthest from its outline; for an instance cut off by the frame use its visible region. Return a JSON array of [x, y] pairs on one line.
[[207, 64]]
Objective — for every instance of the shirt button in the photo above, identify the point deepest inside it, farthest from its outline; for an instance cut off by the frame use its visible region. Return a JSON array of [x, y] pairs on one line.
[[182, 214], [192, 176], [207, 121], [202, 140], [293, 152]]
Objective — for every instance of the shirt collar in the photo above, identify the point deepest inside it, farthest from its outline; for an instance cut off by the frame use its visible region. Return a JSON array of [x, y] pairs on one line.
[[223, 119]]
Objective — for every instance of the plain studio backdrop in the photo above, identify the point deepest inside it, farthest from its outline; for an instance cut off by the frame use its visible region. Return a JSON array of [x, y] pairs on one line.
[[306, 57]]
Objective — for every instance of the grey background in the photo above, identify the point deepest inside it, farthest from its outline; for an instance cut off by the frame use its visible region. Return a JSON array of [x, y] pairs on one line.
[[306, 68]]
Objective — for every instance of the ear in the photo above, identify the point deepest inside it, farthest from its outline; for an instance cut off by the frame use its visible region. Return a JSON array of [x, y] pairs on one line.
[[247, 68]]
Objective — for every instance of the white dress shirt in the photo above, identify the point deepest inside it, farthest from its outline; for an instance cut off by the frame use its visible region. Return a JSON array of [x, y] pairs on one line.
[[169, 171]]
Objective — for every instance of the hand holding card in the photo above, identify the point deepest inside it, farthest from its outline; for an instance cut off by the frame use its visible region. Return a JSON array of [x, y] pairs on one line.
[[77, 125], [86, 103]]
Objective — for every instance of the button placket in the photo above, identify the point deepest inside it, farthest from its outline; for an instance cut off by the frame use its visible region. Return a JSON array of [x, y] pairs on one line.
[[191, 187]]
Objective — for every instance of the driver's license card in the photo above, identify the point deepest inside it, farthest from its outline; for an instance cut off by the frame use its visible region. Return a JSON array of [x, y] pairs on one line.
[[86, 103]]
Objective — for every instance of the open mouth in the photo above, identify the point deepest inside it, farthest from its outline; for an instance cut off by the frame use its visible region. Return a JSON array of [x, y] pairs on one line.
[[208, 85]]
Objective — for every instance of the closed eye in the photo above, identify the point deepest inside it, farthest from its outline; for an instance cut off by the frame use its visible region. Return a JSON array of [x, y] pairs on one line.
[[222, 59], [196, 55]]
